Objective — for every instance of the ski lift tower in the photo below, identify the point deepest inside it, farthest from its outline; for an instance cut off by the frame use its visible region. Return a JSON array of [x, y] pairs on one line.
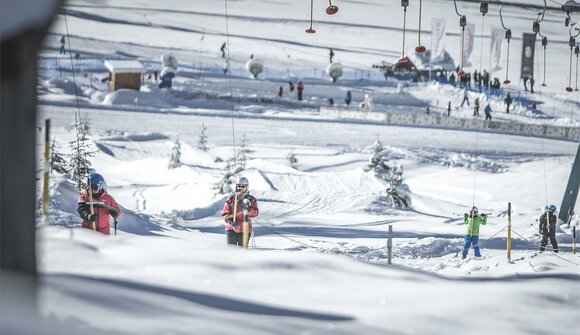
[[571, 194]]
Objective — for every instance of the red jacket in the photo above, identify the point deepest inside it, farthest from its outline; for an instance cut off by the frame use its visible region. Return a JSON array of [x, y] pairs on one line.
[[228, 209], [103, 214]]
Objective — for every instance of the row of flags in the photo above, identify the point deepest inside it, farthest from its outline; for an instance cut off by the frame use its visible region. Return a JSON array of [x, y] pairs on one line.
[[439, 55]]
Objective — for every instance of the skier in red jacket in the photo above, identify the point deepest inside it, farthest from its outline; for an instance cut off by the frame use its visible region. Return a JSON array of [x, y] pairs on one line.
[[103, 205], [233, 213]]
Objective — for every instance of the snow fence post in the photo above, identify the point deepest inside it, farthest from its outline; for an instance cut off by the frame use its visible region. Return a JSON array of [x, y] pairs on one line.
[[574, 239], [390, 244], [509, 233]]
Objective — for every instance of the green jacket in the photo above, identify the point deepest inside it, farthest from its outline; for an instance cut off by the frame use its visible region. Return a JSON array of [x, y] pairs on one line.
[[473, 223]]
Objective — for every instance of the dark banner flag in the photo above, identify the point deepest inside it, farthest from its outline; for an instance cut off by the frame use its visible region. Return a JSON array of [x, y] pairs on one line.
[[528, 49]]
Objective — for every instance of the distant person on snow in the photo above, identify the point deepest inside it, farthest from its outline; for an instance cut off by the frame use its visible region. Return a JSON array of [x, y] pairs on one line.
[[449, 109], [487, 111], [548, 228], [476, 107], [465, 97], [103, 205], [331, 55], [223, 50], [508, 102], [300, 90], [291, 86], [473, 220], [233, 212], [348, 98], [62, 49], [280, 91], [366, 104]]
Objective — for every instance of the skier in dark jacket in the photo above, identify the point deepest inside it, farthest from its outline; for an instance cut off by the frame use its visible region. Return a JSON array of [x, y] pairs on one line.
[[223, 50], [238, 205], [300, 90], [348, 98], [548, 228], [508, 102], [97, 216]]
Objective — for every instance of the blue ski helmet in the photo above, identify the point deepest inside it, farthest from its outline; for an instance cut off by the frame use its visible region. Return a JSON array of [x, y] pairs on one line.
[[97, 182], [551, 208]]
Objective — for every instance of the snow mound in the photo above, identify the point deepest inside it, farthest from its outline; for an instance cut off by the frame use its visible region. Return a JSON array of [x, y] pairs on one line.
[[62, 86], [135, 98]]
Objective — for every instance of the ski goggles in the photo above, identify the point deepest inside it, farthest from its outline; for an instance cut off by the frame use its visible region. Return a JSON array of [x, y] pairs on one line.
[[96, 187], [241, 186]]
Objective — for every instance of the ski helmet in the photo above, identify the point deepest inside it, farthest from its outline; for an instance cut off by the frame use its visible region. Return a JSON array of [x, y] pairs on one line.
[[551, 208], [97, 182], [243, 181]]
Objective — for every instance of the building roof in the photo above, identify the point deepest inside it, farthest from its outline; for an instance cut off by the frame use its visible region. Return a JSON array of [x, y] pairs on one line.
[[124, 66]]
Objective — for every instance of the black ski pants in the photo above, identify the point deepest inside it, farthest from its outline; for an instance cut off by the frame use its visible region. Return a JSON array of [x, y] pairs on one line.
[[235, 238], [552, 236]]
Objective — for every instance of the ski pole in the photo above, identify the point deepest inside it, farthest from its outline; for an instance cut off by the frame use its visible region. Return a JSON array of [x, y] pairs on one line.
[[92, 209], [115, 225]]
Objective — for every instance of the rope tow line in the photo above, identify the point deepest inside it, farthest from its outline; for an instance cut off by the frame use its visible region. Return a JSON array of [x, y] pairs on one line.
[[228, 65]]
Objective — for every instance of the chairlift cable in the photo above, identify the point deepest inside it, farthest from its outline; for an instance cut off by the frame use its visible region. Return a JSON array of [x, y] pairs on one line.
[[475, 168], [78, 111], [228, 67]]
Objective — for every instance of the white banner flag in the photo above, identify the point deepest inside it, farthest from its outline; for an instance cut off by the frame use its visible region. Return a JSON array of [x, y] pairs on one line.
[[468, 44], [438, 31], [496, 41]]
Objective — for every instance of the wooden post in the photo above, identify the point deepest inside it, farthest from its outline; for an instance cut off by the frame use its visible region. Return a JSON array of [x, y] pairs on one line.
[[390, 244], [509, 233], [246, 228], [45, 191], [574, 239]]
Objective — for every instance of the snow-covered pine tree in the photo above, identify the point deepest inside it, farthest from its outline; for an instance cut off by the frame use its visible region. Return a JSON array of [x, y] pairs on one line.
[[224, 185], [292, 158], [175, 158], [80, 166], [57, 161], [243, 154], [202, 144], [378, 161]]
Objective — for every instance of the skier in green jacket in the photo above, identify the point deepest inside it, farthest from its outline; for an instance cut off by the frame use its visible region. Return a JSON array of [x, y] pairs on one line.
[[473, 220]]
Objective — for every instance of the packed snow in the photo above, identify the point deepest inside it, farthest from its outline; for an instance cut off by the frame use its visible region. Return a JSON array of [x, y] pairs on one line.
[[317, 261]]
